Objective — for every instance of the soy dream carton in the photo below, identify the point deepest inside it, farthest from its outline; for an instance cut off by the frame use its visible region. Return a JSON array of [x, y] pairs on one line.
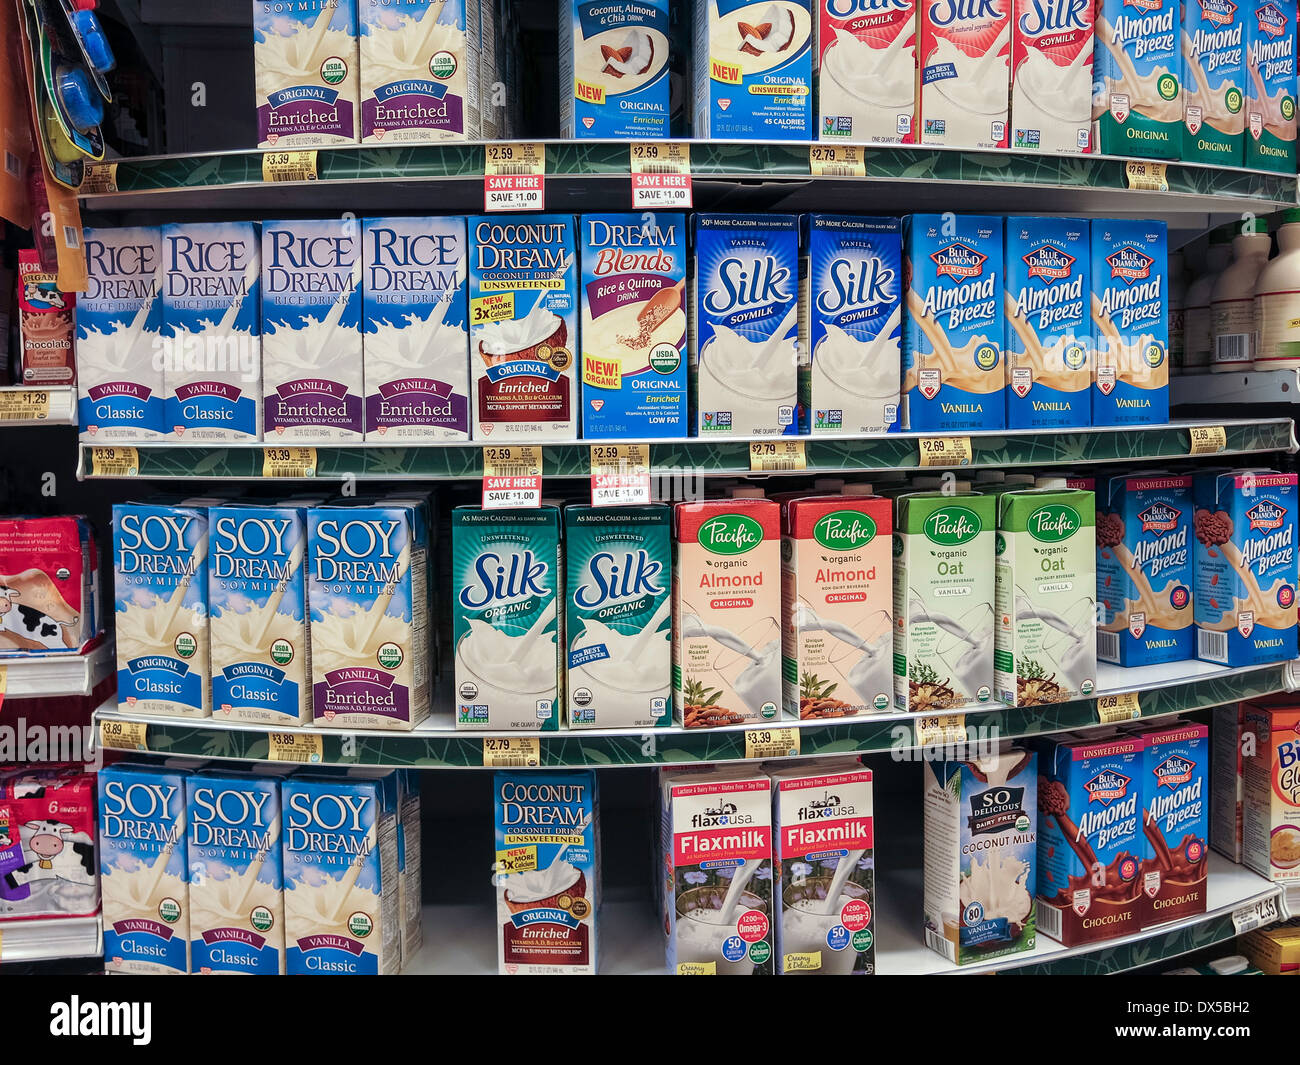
[[953, 335], [615, 79], [1137, 105], [1271, 86], [1214, 81]]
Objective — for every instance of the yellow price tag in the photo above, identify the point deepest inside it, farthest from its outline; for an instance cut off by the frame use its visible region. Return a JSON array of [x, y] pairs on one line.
[[660, 157], [697, 968], [620, 458], [24, 405], [1124, 707], [780, 455], [297, 165], [944, 451], [836, 160], [1207, 439], [515, 159], [99, 179], [512, 752], [289, 462], [114, 462], [303, 747], [940, 731], [804, 962], [771, 742], [123, 735], [1147, 176], [4, 683], [514, 460]]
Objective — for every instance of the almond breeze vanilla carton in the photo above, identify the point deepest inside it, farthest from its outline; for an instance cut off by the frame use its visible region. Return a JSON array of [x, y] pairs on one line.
[[864, 59], [614, 69]]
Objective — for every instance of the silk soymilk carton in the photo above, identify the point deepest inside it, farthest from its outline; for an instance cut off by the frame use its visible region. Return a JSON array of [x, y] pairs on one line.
[[745, 325], [118, 341], [618, 616], [507, 622], [634, 365], [953, 336], [1270, 83], [614, 69], [416, 337], [1130, 310], [753, 70], [1214, 81], [212, 331], [523, 302], [1049, 324], [864, 61], [964, 72], [1137, 106], [143, 869], [1051, 75], [849, 361]]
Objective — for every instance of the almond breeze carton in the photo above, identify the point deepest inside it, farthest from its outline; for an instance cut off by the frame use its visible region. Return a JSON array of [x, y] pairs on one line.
[[1137, 104], [1214, 81], [614, 69], [964, 72], [1270, 86], [864, 59]]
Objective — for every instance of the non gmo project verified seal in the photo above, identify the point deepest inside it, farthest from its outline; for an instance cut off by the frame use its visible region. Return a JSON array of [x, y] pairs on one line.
[[828, 419]]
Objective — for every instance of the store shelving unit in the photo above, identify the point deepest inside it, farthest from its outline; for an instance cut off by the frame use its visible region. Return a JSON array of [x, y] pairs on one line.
[[50, 939], [1250, 386], [58, 675], [52, 405]]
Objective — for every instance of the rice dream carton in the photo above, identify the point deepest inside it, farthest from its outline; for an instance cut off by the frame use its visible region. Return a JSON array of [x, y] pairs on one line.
[[614, 69], [1051, 76], [963, 72], [864, 63], [1270, 83], [1137, 104], [1214, 81]]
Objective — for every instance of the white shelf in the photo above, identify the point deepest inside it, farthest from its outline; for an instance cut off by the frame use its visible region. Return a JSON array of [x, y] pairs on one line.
[[29, 676], [51, 938], [62, 408], [1246, 386]]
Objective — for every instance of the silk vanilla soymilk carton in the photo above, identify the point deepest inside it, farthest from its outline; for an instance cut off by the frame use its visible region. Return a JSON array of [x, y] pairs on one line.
[[864, 60], [1051, 75], [1270, 86], [1214, 81], [964, 72], [1137, 104], [614, 69]]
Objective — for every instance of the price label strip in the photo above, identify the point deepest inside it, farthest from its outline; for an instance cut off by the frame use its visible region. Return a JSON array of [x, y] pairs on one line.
[[1122, 707], [24, 405], [1257, 914], [297, 165], [99, 179], [299, 462], [771, 742], [1207, 439], [944, 451], [836, 160], [512, 476], [305, 748], [777, 456], [123, 735], [940, 731], [661, 176], [620, 474], [114, 462], [511, 752], [514, 176], [1146, 176]]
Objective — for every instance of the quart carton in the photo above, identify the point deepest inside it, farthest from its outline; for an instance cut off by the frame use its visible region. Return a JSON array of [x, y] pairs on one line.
[[864, 60], [1214, 81], [1137, 105], [964, 73], [614, 69], [1270, 82], [1051, 76]]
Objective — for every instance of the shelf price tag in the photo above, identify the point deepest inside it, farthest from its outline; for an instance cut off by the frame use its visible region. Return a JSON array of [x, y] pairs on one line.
[[514, 176], [511, 752], [1207, 439], [1256, 914], [299, 165], [944, 451], [307, 748], [289, 462], [512, 476], [123, 735], [777, 456], [771, 742], [661, 176], [114, 462], [24, 405], [1122, 707], [940, 731], [836, 160], [620, 474], [1146, 176], [98, 179]]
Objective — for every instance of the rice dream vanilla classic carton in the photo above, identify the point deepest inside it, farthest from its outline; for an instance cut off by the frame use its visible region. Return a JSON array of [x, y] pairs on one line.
[[1214, 81], [1051, 75], [614, 69], [1137, 103], [1270, 86], [964, 72]]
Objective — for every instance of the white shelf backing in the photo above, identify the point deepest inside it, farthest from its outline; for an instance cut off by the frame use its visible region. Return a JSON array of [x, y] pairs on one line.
[[57, 675], [1246, 386], [49, 939], [62, 406]]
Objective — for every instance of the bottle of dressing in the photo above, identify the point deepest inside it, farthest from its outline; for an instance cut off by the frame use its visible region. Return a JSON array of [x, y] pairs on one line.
[[1232, 303]]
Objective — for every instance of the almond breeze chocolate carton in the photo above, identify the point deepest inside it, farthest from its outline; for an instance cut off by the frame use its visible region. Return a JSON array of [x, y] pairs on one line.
[[1270, 86]]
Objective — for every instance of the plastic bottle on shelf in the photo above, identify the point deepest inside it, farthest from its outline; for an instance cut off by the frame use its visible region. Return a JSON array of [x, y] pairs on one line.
[[1198, 346], [1232, 304], [1277, 299], [1177, 308]]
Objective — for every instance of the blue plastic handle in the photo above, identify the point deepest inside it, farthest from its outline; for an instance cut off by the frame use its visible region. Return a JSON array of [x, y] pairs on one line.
[[81, 103], [94, 41]]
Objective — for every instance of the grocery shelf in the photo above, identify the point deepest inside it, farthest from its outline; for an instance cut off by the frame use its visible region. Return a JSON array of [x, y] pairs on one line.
[[48, 939], [38, 405], [436, 744], [28, 676], [1249, 386], [687, 459]]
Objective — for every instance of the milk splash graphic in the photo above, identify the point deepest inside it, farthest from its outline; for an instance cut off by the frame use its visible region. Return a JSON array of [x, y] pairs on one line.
[[1051, 75], [964, 56], [864, 53]]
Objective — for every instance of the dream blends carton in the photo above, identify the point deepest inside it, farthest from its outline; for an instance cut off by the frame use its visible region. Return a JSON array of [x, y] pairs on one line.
[[838, 631], [1270, 792], [212, 331], [716, 838], [160, 567], [618, 623], [1090, 842], [1051, 76], [507, 624], [143, 870], [634, 366], [368, 594], [753, 70], [547, 872], [745, 326], [119, 321], [307, 84], [1130, 312], [864, 58], [1137, 104], [1270, 84], [1049, 334], [981, 833], [727, 611], [1144, 570], [614, 69], [340, 878], [1245, 567], [953, 336], [523, 312], [964, 76], [416, 337], [1214, 81], [258, 624], [823, 844], [312, 379], [1046, 577], [236, 874], [943, 601], [849, 360]]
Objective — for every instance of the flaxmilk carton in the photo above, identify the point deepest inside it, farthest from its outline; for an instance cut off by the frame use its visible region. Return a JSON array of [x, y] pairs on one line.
[[258, 624], [634, 364], [1137, 105], [864, 62], [416, 333], [340, 878], [727, 612], [1270, 83], [1045, 642], [1245, 589], [160, 567], [312, 380], [1144, 569], [307, 82], [507, 618], [1049, 324], [236, 874], [964, 72], [745, 324], [953, 335], [753, 70], [547, 872], [1130, 313], [143, 869], [212, 339], [1214, 81], [1051, 75], [849, 354], [837, 630], [943, 601], [368, 594], [618, 623], [523, 310], [119, 323], [614, 69]]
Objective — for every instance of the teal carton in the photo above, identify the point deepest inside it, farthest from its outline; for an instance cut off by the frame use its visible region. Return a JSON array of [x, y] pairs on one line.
[[1137, 103], [1270, 86], [1214, 81]]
